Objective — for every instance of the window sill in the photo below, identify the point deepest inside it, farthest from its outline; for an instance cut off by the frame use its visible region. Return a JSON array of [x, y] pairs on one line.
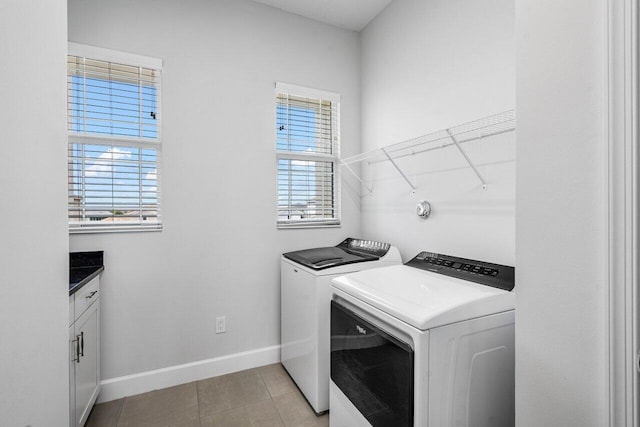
[[114, 229], [295, 226]]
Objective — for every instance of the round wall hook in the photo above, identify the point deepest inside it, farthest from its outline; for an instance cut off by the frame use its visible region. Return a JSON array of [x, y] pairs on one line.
[[423, 210]]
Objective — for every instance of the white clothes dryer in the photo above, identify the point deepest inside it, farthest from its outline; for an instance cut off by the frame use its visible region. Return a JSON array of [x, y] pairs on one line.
[[428, 343], [305, 300]]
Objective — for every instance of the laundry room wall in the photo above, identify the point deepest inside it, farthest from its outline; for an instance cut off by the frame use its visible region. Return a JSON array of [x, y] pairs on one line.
[[218, 254], [562, 350], [427, 66], [34, 259]]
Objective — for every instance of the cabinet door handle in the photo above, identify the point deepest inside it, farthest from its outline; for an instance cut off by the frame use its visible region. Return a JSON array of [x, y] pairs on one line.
[[91, 294], [76, 357], [81, 345]]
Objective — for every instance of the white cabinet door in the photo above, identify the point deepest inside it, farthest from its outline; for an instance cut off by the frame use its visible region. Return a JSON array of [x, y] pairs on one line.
[[87, 376]]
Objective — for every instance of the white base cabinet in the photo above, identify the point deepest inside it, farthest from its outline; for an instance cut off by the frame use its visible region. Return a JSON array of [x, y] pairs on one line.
[[84, 339]]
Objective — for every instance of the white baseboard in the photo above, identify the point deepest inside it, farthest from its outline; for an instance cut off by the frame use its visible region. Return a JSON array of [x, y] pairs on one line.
[[129, 385]]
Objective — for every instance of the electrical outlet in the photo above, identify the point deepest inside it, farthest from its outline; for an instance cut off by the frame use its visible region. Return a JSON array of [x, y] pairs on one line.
[[221, 325]]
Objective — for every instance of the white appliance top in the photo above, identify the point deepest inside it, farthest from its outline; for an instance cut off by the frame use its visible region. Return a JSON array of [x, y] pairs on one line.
[[348, 256], [424, 299]]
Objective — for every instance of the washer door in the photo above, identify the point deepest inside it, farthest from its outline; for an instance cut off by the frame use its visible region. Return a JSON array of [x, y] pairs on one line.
[[372, 368]]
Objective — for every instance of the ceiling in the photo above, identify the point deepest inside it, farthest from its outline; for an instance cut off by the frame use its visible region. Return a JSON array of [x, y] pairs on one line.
[[349, 14]]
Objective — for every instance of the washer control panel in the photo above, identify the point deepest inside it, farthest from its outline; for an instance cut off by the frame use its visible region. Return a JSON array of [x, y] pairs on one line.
[[485, 273], [369, 247]]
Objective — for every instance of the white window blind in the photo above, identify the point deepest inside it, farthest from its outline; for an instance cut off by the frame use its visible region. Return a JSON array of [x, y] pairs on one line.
[[113, 121], [308, 142]]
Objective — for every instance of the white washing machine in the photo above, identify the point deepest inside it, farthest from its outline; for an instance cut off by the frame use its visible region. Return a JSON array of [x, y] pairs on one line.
[[428, 343], [305, 298]]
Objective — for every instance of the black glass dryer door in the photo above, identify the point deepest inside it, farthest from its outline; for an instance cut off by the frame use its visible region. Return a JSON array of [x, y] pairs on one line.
[[372, 368]]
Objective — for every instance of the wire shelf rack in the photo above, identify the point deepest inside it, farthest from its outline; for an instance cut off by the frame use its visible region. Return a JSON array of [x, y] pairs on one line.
[[454, 136]]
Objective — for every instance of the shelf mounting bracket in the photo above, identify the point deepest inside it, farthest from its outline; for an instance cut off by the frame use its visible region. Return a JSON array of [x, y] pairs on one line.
[[455, 141], [413, 188], [369, 189]]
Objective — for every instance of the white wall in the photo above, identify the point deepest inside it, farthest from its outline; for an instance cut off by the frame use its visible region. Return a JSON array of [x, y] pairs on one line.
[[560, 336], [219, 251], [426, 66], [34, 319]]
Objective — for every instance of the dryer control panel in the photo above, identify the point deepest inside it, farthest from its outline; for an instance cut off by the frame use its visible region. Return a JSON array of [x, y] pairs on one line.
[[485, 273]]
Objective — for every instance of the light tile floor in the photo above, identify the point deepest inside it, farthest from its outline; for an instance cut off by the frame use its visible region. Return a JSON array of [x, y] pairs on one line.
[[264, 396]]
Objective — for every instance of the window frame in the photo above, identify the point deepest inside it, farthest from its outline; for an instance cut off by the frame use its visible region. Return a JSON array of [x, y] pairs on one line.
[[333, 158], [119, 141]]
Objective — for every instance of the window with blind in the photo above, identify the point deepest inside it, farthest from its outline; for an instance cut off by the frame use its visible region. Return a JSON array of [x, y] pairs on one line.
[[114, 148], [307, 147]]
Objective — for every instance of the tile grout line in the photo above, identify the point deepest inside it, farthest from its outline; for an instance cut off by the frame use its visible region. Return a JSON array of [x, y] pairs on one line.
[[198, 404], [120, 411], [279, 414], [264, 382], [271, 397], [265, 386]]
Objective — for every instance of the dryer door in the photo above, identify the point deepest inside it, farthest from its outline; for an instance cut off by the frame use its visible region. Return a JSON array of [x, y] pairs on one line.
[[372, 368]]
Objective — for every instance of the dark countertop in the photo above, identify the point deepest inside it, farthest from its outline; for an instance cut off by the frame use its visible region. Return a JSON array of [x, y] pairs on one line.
[[84, 266], [80, 276]]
